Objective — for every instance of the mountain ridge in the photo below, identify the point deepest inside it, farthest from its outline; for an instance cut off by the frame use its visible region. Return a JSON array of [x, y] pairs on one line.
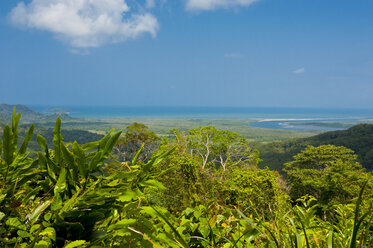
[[358, 138], [28, 114]]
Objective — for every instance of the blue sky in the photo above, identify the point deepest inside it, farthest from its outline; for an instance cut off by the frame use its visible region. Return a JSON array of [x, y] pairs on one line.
[[288, 53]]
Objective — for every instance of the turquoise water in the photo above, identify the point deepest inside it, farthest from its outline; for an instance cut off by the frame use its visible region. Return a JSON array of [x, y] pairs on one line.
[[283, 125]]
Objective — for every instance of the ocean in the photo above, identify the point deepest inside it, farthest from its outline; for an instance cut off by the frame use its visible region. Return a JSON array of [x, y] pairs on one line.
[[266, 117]]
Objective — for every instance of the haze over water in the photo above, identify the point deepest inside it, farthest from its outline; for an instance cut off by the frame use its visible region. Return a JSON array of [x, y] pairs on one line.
[[212, 112]]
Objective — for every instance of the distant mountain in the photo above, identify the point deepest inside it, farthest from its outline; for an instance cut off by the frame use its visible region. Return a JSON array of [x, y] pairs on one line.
[[358, 138], [6, 111], [28, 114]]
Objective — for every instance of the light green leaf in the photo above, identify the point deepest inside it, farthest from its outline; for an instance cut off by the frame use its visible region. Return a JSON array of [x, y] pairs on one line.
[[135, 158], [23, 234], [57, 139], [35, 214], [128, 196], [153, 183], [42, 244], [16, 224], [27, 139], [49, 232], [8, 149], [75, 243], [2, 215], [110, 144], [2, 197], [81, 160]]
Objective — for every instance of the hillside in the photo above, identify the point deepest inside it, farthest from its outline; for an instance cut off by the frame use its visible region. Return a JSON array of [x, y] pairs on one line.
[[28, 114], [358, 138], [6, 111]]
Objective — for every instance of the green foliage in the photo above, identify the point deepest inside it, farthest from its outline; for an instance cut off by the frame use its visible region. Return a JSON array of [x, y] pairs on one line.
[[222, 148], [187, 184], [358, 138], [137, 136], [62, 198], [329, 173], [59, 199], [254, 191], [241, 184]]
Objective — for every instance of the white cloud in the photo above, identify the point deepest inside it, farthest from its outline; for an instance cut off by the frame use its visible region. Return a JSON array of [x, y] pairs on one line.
[[84, 23], [196, 5], [299, 71]]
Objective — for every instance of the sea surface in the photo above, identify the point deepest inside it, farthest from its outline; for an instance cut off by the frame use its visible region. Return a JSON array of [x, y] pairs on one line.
[[265, 117]]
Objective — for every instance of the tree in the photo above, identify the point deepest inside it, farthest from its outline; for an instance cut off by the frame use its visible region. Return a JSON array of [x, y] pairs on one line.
[[221, 147], [231, 149], [330, 173], [135, 136], [200, 142], [254, 191]]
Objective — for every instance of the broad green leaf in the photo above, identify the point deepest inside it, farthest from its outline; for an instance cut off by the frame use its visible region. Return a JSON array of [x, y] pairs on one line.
[[163, 217], [15, 120], [129, 195], [42, 143], [8, 149], [71, 202], [42, 244], [80, 158], [61, 182], [122, 224], [35, 214], [24, 234], [114, 183], [2, 197], [135, 158], [69, 158], [59, 189], [75, 243], [49, 232], [156, 160], [2, 215], [27, 139], [15, 223], [90, 145], [153, 183], [57, 139], [330, 239], [110, 144], [103, 141], [298, 241], [95, 162], [34, 228], [163, 156]]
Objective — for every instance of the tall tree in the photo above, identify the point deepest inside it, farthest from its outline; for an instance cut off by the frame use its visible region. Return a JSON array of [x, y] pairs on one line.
[[330, 173], [135, 136], [221, 147]]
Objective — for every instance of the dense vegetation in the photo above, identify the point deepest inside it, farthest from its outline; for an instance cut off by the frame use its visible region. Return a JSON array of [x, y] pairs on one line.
[[201, 189], [358, 138]]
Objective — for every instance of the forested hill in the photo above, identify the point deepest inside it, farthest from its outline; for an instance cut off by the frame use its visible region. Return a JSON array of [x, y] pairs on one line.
[[28, 114], [358, 138], [6, 111]]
